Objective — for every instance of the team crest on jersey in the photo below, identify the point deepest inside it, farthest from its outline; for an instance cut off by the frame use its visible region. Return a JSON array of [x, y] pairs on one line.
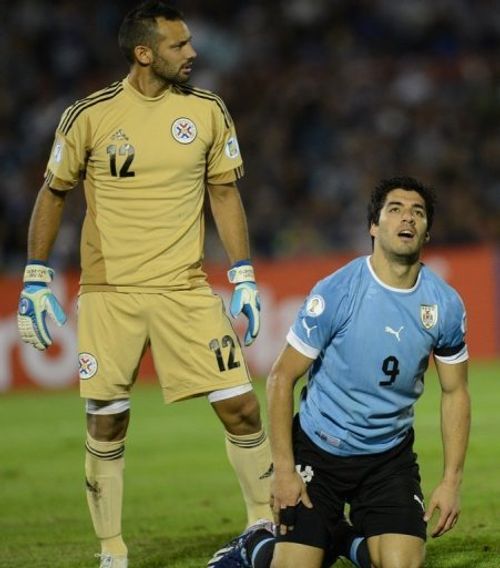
[[315, 306], [184, 130], [87, 366], [429, 315], [232, 149]]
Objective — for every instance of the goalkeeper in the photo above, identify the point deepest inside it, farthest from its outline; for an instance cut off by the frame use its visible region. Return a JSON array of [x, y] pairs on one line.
[[150, 149]]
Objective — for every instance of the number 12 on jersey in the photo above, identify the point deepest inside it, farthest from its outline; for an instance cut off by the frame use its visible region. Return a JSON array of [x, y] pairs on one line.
[[124, 150]]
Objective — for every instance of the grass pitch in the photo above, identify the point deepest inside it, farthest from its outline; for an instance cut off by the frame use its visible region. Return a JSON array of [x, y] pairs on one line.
[[182, 500]]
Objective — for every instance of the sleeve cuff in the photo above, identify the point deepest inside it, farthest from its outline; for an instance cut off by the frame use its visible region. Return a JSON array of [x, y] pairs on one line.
[[300, 346], [453, 359]]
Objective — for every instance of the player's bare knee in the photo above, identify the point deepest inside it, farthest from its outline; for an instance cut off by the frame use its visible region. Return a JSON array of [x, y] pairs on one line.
[[402, 564], [413, 561], [107, 420], [280, 561], [240, 414]]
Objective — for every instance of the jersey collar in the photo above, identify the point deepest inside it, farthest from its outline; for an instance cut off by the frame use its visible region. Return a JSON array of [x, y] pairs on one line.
[[135, 94], [386, 286]]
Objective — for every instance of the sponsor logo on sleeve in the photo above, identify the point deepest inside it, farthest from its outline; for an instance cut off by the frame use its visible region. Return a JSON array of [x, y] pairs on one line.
[[315, 306], [57, 153], [307, 328], [232, 149]]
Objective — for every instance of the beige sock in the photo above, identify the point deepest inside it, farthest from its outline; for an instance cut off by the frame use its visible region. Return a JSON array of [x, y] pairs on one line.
[[250, 456], [104, 465]]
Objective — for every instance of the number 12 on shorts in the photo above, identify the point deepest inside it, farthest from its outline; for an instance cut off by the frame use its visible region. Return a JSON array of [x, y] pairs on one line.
[[220, 349]]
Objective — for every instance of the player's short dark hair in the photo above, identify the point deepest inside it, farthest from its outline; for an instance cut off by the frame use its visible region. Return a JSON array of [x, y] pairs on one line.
[[379, 194], [139, 25]]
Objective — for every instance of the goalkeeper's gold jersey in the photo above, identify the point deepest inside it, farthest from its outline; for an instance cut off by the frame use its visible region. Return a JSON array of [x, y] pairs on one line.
[[145, 163]]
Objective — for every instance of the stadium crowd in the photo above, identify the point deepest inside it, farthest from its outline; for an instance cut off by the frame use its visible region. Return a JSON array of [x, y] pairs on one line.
[[328, 96]]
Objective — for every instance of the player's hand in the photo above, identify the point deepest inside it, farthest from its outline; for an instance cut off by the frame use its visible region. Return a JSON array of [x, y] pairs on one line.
[[446, 499], [245, 298], [36, 301], [287, 491]]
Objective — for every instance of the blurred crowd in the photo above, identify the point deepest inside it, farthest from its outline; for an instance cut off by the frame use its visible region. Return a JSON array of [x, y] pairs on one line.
[[328, 97]]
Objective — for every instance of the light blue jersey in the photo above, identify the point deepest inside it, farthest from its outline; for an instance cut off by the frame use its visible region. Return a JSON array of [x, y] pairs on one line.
[[371, 345]]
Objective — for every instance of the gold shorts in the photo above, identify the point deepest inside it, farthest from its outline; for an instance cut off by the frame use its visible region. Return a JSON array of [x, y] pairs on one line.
[[194, 347]]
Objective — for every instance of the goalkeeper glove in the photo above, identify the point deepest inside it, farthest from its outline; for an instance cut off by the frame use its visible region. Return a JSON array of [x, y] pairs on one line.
[[245, 297], [36, 301]]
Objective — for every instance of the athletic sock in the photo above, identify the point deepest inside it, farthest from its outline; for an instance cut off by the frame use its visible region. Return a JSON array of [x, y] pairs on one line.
[[104, 465], [358, 553], [250, 456], [349, 544], [260, 548]]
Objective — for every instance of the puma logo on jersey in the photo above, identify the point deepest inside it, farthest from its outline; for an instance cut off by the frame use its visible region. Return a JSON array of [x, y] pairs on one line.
[[119, 135], [307, 328], [389, 329]]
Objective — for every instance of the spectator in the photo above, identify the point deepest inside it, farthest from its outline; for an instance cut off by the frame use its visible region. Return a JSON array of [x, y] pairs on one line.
[[327, 96]]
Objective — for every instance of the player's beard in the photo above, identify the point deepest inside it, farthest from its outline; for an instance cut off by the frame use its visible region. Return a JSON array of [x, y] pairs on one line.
[[404, 255], [405, 259], [409, 256], [166, 74]]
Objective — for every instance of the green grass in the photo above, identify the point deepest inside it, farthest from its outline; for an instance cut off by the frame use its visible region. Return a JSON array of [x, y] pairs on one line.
[[182, 500]]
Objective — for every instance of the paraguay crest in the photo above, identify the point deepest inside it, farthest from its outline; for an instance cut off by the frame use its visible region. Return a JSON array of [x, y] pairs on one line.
[[87, 366], [429, 315], [184, 130]]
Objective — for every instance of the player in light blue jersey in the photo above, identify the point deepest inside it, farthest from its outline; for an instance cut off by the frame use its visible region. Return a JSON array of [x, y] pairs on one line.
[[371, 344], [364, 335]]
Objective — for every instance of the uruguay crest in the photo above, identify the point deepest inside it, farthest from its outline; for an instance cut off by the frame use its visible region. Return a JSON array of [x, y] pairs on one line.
[[429, 315]]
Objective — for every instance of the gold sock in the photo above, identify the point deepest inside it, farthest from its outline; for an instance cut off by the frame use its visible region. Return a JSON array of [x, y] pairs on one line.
[[104, 465], [250, 456]]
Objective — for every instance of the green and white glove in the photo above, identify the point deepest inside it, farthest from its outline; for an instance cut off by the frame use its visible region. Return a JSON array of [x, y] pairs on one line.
[[245, 298], [36, 301]]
